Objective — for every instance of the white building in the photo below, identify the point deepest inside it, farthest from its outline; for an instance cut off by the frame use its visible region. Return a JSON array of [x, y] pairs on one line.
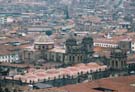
[[106, 43], [4, 20], [10, 58], [9, 54]]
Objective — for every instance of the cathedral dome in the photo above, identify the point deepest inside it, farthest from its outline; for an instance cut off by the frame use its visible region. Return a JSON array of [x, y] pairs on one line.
[[43, 39]]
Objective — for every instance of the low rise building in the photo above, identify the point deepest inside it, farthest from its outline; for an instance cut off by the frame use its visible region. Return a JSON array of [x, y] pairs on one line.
[[107, 43], [123, 42], [9, 54]]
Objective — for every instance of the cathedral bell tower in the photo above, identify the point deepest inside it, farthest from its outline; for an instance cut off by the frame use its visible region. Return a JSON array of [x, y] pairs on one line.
[[73, 51], [87, 48], [118, 59]]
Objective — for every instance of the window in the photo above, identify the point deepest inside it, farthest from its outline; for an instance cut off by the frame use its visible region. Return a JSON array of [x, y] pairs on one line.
[[52, 57], [116, 63], [69, 58], [59, 57], [113, 63], [28, 55], [81, 58], [43, 47], [78, 58], [39, 47], [73, 58]]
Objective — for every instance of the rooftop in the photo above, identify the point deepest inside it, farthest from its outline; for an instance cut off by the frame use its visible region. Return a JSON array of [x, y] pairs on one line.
[[43, 39], [58, 50], [120, 84], [14, 65], [41, 74]]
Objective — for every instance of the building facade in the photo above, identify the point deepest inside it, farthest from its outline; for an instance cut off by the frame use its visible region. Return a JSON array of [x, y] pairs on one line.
[[9, 54], [118, 59], [10, 58], [74, 51]]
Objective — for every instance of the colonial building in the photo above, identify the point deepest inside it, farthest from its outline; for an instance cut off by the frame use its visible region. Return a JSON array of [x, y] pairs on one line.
[[73, 52], [118, 63], [125, 45], [9, 54], [118, 59]]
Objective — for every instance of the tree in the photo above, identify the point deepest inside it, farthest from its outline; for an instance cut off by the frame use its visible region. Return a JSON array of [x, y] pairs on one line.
[[48, 33]]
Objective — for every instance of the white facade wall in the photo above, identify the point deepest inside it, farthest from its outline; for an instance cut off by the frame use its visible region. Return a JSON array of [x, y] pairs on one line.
[[9, 58], [106, 45], [3, 20], [133, 46]]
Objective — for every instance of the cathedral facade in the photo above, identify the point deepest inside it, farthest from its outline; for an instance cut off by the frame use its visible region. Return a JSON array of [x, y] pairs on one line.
[[73, 52], [118, 59]]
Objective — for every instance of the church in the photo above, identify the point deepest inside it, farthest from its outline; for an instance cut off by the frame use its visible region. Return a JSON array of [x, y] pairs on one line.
[[72, 53]]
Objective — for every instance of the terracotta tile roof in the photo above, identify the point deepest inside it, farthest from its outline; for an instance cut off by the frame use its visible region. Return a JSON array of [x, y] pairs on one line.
[[98, 49], [58, 50], [120, 84], [93, 19], [7, 49], [14, 65], [103, 40], [35, 74]]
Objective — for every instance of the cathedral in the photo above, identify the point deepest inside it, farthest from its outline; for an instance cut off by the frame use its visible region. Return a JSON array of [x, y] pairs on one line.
[[118, 59], [72, 53]]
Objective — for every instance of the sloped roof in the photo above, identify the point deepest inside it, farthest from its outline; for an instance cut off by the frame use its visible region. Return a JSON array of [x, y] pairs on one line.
[[43, 39]]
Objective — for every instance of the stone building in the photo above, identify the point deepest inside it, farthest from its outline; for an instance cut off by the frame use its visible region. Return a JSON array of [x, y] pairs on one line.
[[125, 45], [118, 63], [73, 52], [118, 59]]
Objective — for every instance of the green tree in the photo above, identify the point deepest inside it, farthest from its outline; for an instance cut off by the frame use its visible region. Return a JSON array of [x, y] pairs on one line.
[[48, 33]]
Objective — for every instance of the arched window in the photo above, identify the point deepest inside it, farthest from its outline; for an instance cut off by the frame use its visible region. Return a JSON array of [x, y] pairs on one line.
[[78, 58], [69, 58], [113, 63], [43, 47], [29, 55], [73, 58], [116, 63], [81, 58]]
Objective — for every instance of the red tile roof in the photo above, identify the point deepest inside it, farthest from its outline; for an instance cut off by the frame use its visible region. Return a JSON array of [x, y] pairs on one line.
[[120, 84]]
